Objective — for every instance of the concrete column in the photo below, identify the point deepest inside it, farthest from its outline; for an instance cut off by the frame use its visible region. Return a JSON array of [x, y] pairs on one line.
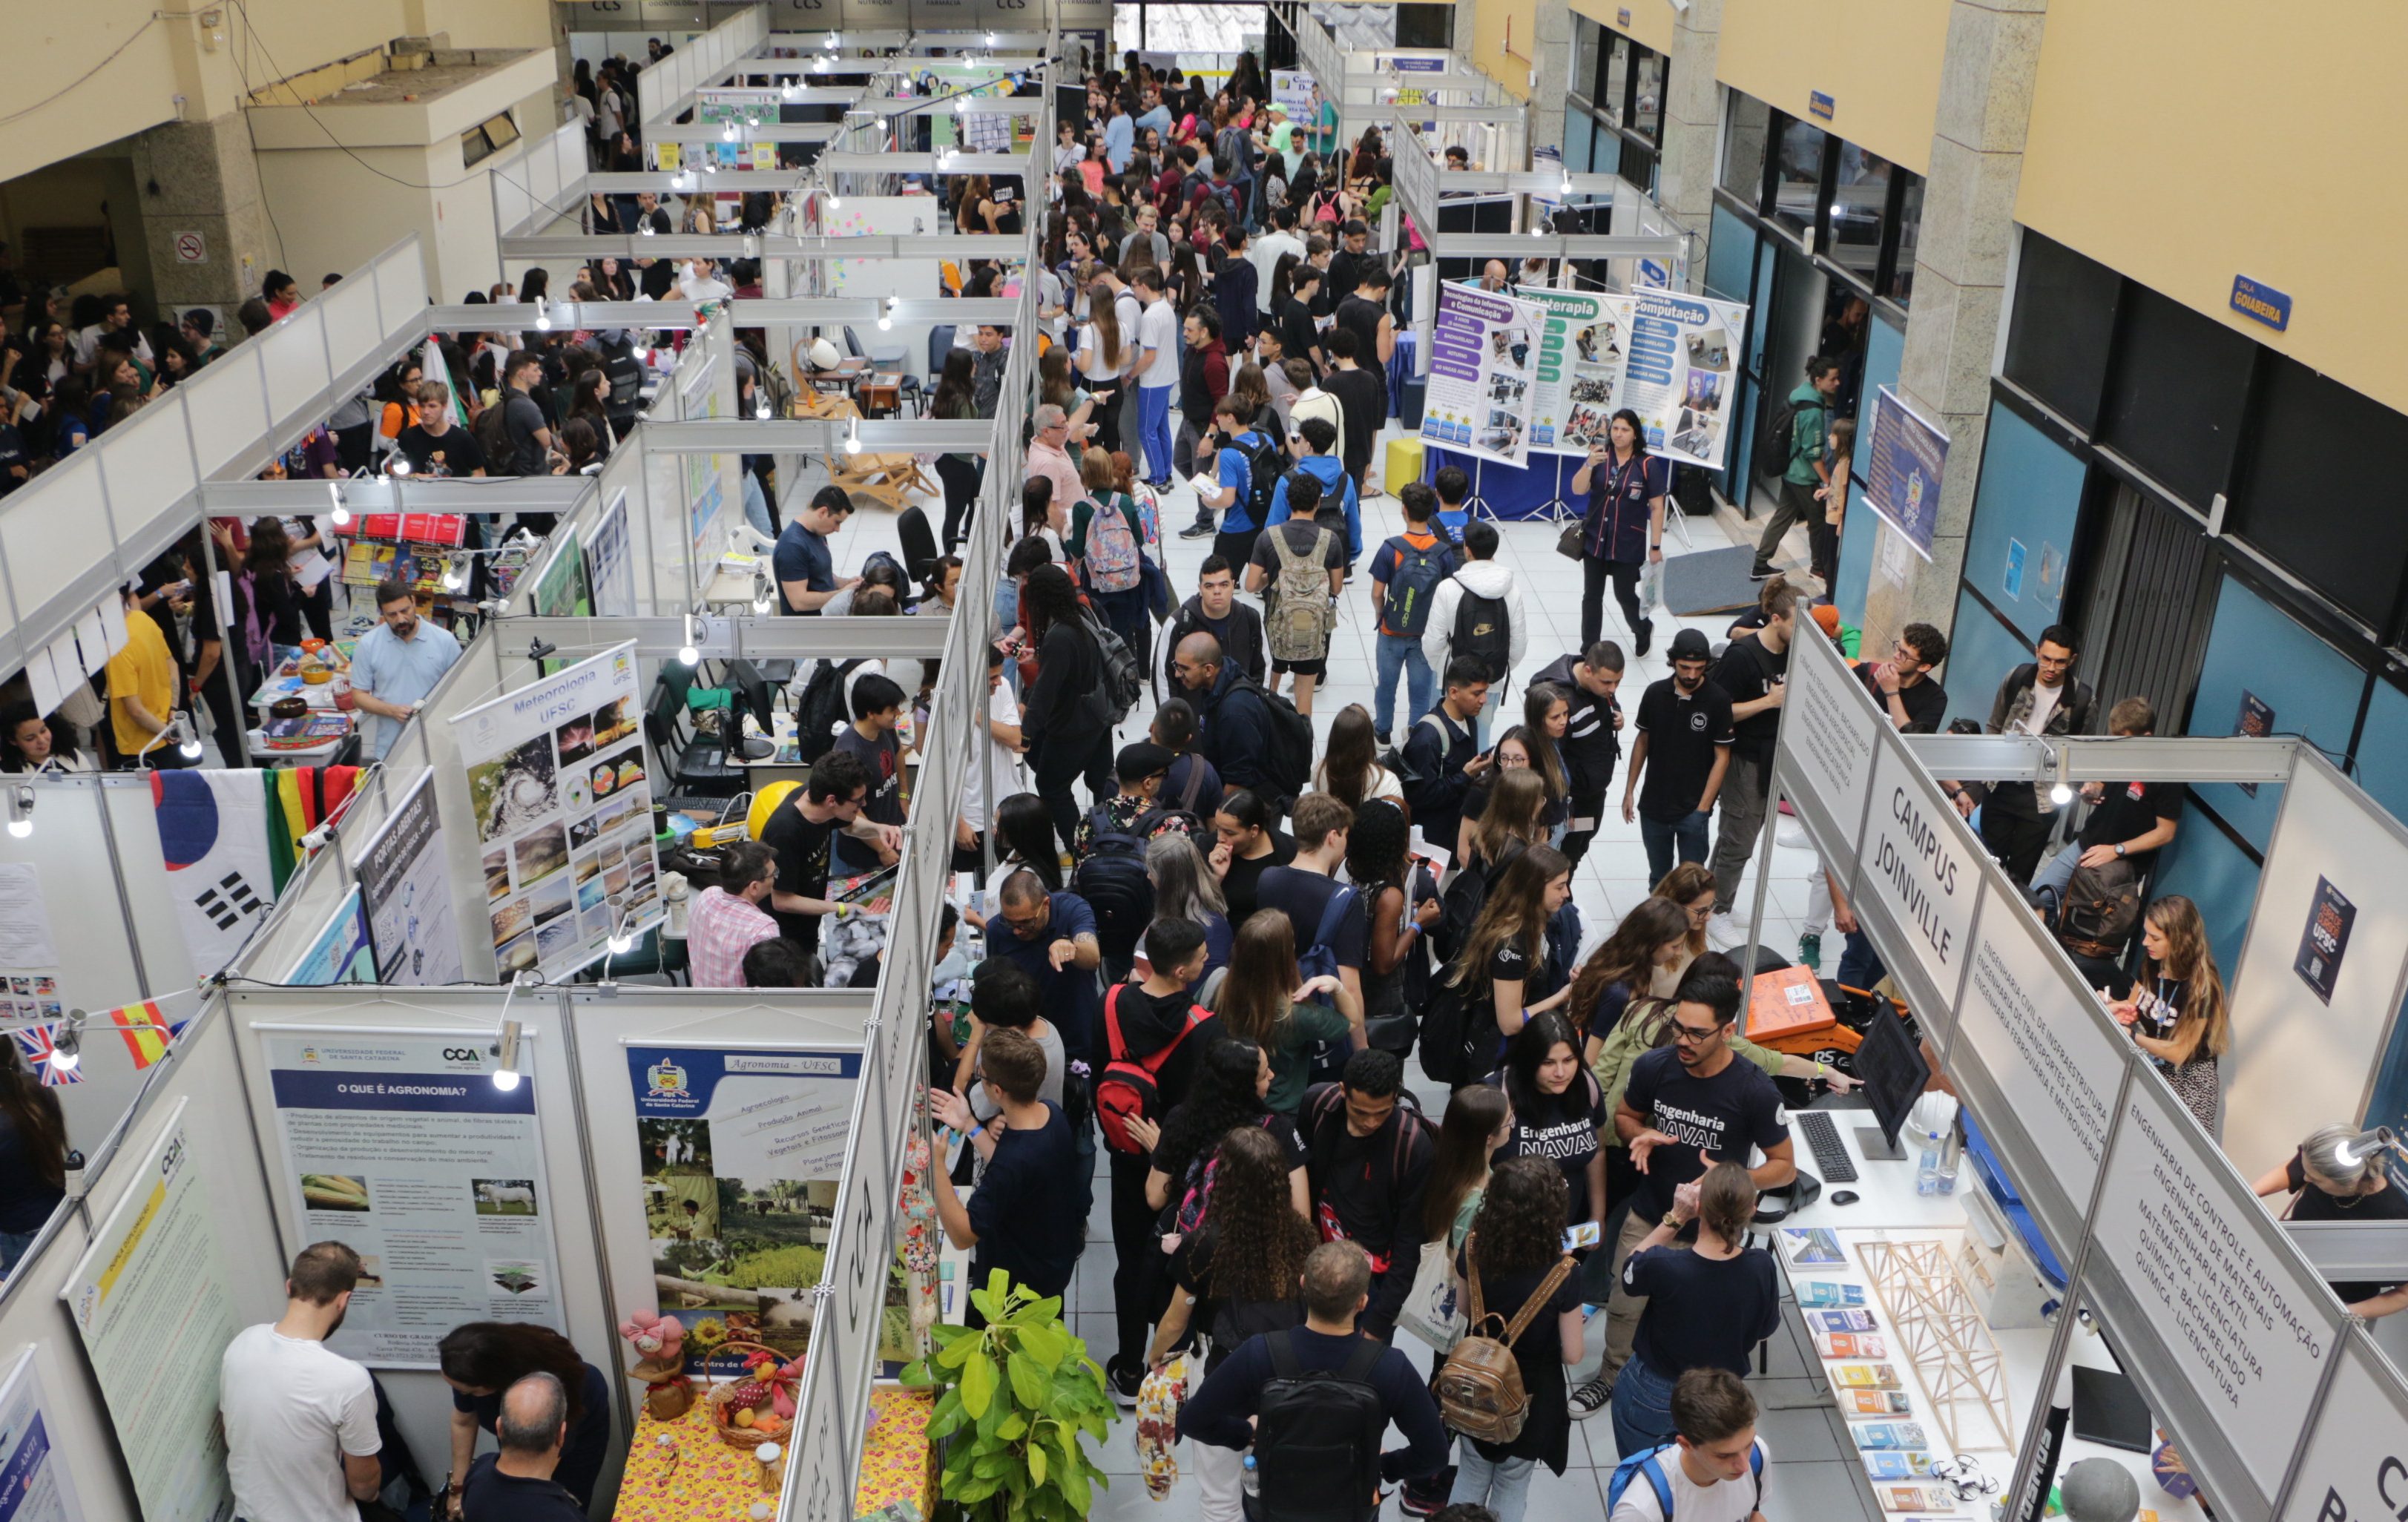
[[201, 177], [1960, 275], [1692, 114], [1552, 46]]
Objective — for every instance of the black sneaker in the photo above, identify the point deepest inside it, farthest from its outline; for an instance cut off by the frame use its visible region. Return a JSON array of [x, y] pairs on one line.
[[1761, 573], [1646, 634], [1591, 1397], [1123, 1381], [1427, 1497], [1202, 529]]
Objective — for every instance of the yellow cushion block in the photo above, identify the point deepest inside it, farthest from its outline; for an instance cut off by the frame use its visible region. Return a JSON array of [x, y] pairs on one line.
[[1404, 463]]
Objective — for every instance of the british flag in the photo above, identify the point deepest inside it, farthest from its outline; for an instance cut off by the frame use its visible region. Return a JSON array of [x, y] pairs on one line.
[[44, 1054]]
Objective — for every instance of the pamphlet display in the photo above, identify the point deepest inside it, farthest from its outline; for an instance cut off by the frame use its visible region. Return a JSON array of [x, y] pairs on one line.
[[1480, 395], [150, 1301], [403, 1146], [1665, 355], [742, 1153], [34, 1486], [407, 889], [564, 810]]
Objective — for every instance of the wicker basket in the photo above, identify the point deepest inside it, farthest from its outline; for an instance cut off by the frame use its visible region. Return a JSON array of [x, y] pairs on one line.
[[721, 1408]]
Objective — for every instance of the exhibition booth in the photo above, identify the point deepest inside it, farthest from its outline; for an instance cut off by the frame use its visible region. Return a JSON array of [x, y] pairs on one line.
[[2102, 1282]]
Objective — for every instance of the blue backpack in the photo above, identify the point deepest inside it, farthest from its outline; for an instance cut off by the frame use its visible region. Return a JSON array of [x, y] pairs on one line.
[[1322, 955], [1405, 606], [1651, 1464]]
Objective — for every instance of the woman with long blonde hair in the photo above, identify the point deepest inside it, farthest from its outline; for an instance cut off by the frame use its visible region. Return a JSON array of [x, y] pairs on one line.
[[1513, 817], [2176, 1011]]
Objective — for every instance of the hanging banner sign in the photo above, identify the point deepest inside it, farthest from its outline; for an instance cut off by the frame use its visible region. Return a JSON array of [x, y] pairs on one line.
[[1903, 468], [1297, 94], [150, 1301], [1665, 355], [611, 563], [1920, 871], [407, 891], [742, 1153], [1480, 394], [405, 1147], [564, 809]]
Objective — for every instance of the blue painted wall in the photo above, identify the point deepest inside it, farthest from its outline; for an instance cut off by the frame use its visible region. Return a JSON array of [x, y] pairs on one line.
[[1730, 257], [2312, 690], [2029, 495], [2204, 866], [2383, 749], [1981, 651], [1856, 556]]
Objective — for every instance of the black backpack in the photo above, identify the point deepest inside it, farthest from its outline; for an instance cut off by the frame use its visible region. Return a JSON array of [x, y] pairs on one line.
[[1780, 435], [1113, 881], [821, 711], [1460, 905], [1290, 758], [1481, 631], [1317, 1436], [1446, 1018], [1264, 467], [2098, 909]]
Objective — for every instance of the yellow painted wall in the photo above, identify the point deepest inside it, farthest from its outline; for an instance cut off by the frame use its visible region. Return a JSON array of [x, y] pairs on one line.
[[2165, 145], [1493, 22], [1650, 21], [1878, 60]]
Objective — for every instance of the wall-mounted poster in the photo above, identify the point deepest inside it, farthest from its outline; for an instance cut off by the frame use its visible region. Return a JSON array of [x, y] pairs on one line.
[[34, 1486], [407, 891], [403, 1145], [342, 952], [2325, 940], [609, 563], [563, 810], [1665, 355], [1481, 392], [742, 1153], [1904, 469], [150, 1301]]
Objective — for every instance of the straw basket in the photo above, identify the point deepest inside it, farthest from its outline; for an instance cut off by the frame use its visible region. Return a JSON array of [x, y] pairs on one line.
[[722, 1408]]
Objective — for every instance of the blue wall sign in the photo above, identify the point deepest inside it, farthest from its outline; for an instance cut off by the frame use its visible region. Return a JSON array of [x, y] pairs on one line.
[[1622, 17], [2261, 303], [1903, 470], [1821, 105]]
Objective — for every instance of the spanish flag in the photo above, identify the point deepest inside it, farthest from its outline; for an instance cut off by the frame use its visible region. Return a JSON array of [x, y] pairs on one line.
[[146, 1032]]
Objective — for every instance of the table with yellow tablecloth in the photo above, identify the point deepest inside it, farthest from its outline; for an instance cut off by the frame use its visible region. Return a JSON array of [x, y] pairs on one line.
[[696, 1478], [895, 1459]]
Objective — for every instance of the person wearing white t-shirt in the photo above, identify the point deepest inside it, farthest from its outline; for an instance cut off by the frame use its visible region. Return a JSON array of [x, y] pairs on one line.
[[1002, 758], [1713, 1470], [1157, 373], [301, 1420]]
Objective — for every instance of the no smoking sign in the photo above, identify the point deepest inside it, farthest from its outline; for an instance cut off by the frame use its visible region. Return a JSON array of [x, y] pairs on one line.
[[192, 249]]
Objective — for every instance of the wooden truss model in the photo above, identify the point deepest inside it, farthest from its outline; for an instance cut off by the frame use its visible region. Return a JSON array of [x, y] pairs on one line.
[[884, 479], [1934, 1324]]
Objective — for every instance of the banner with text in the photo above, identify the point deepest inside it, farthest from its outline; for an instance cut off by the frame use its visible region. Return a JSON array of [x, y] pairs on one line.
[[1903, 468], [35, 1484], [1481, 396], [407, 886], [1665, 355]]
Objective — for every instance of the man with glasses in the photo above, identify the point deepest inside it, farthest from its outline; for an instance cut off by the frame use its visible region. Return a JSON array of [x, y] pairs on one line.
[[1052, 938], [2040, 697], [800, 831], [1687, 1107]]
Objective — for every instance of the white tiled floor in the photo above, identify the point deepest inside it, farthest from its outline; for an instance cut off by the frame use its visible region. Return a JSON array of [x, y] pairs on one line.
[[1808, 1477]]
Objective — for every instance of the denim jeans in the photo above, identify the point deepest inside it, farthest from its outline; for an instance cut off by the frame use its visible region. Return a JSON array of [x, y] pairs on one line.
[[1860, 965], [1401, 652], [1661, 836], [1154, 430], [14, 1245], [1503, 1486], [1643, 1409]]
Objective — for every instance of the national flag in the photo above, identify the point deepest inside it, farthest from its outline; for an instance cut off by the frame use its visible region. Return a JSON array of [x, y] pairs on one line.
[[147, 1031], [213, 834], [431, 367], [40, 1049]]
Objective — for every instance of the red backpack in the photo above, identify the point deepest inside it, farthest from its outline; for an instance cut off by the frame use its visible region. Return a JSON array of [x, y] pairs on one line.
[[1129, 1088]]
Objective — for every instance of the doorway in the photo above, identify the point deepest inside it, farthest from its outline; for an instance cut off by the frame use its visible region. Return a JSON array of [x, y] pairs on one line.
[[2150, 601]]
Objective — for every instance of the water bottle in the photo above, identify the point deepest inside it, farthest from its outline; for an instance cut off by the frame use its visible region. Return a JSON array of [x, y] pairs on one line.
[[1926, 1170], [1251, 1477], [1952, 1152]]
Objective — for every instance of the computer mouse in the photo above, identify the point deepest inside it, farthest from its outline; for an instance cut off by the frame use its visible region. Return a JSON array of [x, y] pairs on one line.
[[1844, 1197]]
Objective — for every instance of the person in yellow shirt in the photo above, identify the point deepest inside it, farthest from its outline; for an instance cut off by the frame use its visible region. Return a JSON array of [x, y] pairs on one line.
[[142, 690]]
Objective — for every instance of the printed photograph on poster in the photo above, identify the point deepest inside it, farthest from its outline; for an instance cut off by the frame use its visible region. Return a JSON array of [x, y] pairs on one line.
[[563, 802], [402, 1145], [343, 952], [741, 1155], [1482, 349], [407, 889], [149, 1300], [35, 1484], [2325, 941], [611, 563], [1664, 356]]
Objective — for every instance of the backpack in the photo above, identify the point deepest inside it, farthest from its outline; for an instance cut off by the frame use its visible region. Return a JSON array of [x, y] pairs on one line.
[[1263, 466], [1479, 1387], [257, 643], [1112, 551], [1129, 1087], [1317, 1436], [1651, 1465], [1460, 905], [1325, 1102], [821, 711], [1188, 1213], [1297, 617], [1321, 956], [2098, 909], [1481, 631], [1779, 439], [1290, 759], [1113, 881], [1447, 1017], [1405, 606], [1124, 675]]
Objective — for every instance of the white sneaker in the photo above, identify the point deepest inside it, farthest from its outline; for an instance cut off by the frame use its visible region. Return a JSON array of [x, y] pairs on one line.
[[1725, 932], [1792, 836]]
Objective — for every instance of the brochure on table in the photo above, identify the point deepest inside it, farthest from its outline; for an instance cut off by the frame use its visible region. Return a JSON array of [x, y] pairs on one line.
[[564, 810], [1665, 355], [401, 1144]]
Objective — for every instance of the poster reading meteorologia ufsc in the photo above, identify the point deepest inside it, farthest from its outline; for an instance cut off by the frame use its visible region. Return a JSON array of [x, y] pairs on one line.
[[1481, 396], [564, 809], [403, 1147], [1665, 355]]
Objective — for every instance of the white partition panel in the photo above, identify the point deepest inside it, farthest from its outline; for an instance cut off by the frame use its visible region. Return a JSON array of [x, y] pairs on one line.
[[226, 407], [295, 354], [166, 963], [354, 324], [401, 288], [40, 551], [147, 485]]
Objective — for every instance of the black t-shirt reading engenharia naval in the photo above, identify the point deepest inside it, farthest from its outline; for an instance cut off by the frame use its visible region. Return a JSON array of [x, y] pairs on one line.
[[1710, 1120]]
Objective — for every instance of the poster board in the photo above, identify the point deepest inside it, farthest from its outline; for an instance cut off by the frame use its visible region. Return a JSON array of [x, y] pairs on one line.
[[1665, 355], [400, 1143], [36, 1483], [406, 892], [563, 800], [1904, 469], [740, 1156], [341, 952], [150, 1301], [1481, 394], [609, 562]]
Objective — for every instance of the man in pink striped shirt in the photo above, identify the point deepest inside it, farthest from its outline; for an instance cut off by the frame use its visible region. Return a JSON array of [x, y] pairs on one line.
[[724, 924]]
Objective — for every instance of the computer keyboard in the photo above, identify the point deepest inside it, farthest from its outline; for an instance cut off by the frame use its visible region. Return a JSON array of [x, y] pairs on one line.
[[1831, 1159]]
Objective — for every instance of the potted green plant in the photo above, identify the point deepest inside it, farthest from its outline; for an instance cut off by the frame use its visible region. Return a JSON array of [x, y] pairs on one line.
[[1016, 1395]]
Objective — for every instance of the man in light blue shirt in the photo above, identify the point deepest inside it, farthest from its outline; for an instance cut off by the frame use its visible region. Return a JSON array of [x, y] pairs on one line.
[[1120, 136], [1156, 115], [397, 664]]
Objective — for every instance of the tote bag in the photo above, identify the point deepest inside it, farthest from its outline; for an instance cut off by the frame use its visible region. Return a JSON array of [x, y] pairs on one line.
[[1432, 1310]]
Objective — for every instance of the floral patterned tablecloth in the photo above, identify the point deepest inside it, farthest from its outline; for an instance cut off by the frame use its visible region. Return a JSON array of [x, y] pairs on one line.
[[894, 1461], [697, 1479]]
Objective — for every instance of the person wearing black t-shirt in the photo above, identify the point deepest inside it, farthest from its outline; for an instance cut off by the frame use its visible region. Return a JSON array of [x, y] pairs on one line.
[[2338, 1175], [1707, 1306], [1028, 1215], [1364, 312], [1558, 1112], [1688, 1106], [1750, 674], [432, 445], [516, 1485], [1903, 684], [2130, 821], [800, 832], [1359, 382], [1250, 845], [1304, 889], [1515, 1249], [1683, 752]]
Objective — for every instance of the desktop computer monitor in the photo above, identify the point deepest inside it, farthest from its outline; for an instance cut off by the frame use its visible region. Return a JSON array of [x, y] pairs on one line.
[[753, 696], [1891, 1066]]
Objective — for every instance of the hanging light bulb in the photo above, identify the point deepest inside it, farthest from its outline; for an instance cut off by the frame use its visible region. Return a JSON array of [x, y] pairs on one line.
[[400, 463], [836, 202], [687, 652], [831, 42], [66, 1043], [340, 513], [542, 315], [506, 1054], [2061, 793], [455, 572], [727, 131], [961, 104], [853, 438], [640, 349], [791, 88], [819, 65], [20, 811], [990, 39], [188, 739], [885, 323]]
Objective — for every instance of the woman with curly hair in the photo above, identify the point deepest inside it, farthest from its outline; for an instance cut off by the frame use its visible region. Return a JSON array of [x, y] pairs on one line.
[[482, 1359], [1238, 1273], [1516, 1243], [1228, 1096]]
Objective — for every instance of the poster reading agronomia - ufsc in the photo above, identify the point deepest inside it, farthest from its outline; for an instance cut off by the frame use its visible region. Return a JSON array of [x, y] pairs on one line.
[[403, 1146], [741, 1155], [563, 813]]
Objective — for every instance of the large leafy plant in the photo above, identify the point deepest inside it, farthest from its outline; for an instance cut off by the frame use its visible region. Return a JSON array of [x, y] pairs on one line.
[[1017, 1395]]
